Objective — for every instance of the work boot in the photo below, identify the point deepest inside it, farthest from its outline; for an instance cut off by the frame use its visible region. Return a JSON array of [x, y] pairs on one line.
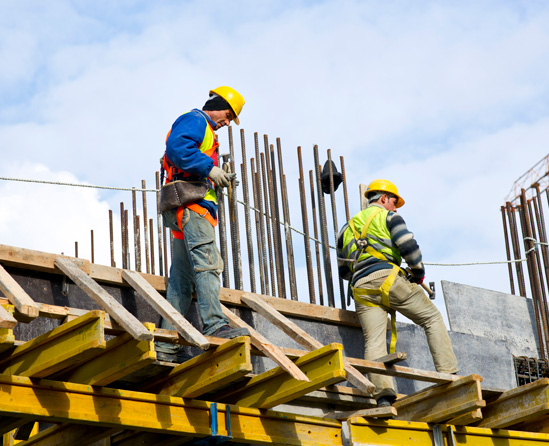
[[229, 333], [386, 401]]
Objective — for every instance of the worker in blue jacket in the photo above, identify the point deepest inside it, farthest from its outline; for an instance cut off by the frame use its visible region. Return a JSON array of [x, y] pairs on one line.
[[191, 156]]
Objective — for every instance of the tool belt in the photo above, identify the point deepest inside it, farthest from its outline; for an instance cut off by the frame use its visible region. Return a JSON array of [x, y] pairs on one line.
[[384, 289], [180, 192]]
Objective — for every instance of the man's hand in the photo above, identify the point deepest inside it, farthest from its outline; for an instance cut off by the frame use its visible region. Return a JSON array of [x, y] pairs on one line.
[[220, 177], [418, 280]]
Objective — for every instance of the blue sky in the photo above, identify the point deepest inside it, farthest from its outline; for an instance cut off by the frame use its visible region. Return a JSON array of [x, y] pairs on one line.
[[449, 100]]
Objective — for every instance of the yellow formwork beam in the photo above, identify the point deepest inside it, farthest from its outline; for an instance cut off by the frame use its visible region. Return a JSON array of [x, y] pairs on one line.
[[122, 356], [69, 435], [7, 339], [323, 367], [398, 433], [207, 372], [63, 402], [67, 345]]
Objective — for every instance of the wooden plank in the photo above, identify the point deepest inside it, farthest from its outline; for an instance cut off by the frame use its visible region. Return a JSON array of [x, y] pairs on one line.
[[6, 319], [369, 431], [524, 404], [442, 402], [165, 309], [323, 367], [334, 395], [303, 338], [208, 372], [376, 412], [62, 402], [264, 345], [467, 419], [16, 295], [392, 358], [115, 309], [122, 356], [7, 339], [67, 345]]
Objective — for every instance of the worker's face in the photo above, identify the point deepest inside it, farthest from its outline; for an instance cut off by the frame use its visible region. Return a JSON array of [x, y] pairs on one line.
[[220, 117], [389, 202]]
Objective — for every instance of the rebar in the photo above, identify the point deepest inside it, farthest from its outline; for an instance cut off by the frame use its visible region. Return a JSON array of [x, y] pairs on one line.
[[111, 234], [146, 228], [123, 234], [127, 230], [306, 236], [334, 220], [222, 228], [233, 212], [270, 238], [344, 184], [151, 231], [516, 248], [543, 239], [507, 250], [263, 272], [262, 234], [92, 248], [136, 232], [159, 228], [245, 192], [324, 233], [317, 244], [287, 223]]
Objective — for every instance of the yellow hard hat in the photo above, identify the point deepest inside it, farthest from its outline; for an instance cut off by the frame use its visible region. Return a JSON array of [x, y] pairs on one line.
[[384, 186], [233, 97]]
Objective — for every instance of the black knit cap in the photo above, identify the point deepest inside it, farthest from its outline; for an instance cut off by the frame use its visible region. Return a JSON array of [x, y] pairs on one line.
[[216, 102]]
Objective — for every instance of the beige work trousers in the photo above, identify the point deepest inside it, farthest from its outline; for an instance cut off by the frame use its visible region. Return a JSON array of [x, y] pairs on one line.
[[410, 300]]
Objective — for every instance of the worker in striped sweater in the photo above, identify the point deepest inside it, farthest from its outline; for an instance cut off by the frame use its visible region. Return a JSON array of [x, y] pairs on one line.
[[370, 250]]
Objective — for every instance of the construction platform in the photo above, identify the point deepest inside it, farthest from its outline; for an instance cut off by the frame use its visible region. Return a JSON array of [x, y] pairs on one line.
[[78, 367]]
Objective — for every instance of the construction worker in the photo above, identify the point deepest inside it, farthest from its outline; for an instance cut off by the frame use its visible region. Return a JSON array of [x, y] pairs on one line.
[[370, 249], [191, 157]]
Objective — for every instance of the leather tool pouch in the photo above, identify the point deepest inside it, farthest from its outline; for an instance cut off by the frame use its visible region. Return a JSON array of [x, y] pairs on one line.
[[178, 193]]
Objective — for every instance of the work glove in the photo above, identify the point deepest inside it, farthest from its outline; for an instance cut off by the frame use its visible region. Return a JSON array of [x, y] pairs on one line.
[[417, 280], [220, 177], [416, 275]]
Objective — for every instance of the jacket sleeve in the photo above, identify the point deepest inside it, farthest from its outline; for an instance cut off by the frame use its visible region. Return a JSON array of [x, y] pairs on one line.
[[342, 263], [406, 244], [182, 146]]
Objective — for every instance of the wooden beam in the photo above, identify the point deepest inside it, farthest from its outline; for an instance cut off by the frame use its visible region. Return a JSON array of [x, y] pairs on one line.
[[62, 402], [7, 339], [524, 404], [115, 309], [376, 412], [264, 345], [303, 338], [363, 431], [165, 309], [334, 395], [323, 367], [208, 372], [17, 296], [442, 402], [122, 356]]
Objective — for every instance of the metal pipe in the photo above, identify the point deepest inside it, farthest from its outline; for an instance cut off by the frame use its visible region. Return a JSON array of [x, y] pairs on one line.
[[235, 233], [306, 236], [287, 230], [146, 228], [136, 234], [159, 229], [111, 233], [516, 248], [259, 236], [317, 247], [334, 220], [507, 250], [151, 231], [244, 174], [324, 233], [277, 241], [270, 239]]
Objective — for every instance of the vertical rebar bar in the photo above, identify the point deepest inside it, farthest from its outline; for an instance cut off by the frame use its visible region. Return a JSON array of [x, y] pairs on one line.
[[76, 249], [159, 228], [222, 228], [151, 231], [136, 232], [137, 238], [111, 233], [246, 196], [259, 231], [127, 230], [543, 239], [516, 247], [507, 250], [344, 181], [92, 248], [123, 234], [324, 233], [146, 228], [317, 247], [165, 237], [334, 220], [233, 212], [270, 238], [306, 235], [287, 224]]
